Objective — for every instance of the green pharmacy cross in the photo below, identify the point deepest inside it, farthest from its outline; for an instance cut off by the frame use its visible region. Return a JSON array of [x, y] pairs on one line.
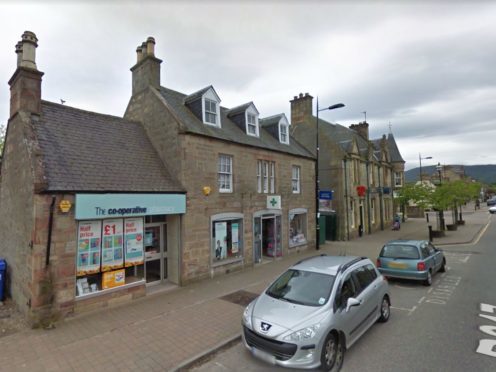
[[273, 201]]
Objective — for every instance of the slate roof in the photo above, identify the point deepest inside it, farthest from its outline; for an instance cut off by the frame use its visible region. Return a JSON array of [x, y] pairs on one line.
[[239, 109], [393, 149], [229, 131], [194, 96], [84, 151], [270, 120]]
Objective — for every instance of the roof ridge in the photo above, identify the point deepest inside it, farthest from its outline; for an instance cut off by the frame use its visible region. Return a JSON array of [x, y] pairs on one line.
[[44, 102]]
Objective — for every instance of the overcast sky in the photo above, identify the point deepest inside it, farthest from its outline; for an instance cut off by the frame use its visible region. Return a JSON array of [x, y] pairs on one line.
[[425, 67]]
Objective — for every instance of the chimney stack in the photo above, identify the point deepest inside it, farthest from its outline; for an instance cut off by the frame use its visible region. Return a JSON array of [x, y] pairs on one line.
[[25, 84], [301, 108], [362, 129], [146, 71]]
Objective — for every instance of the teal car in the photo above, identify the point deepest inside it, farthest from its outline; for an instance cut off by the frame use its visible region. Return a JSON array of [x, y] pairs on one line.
[[411, 259]]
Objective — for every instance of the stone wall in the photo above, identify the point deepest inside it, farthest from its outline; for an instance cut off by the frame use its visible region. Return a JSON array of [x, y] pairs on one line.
[[16, 210], [193, 160]]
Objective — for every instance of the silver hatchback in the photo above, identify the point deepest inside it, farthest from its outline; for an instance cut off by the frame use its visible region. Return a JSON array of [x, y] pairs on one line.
[[315, 310]]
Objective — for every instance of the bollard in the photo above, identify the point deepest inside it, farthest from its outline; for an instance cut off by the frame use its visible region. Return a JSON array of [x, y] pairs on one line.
[[427, 216], [430, 233]]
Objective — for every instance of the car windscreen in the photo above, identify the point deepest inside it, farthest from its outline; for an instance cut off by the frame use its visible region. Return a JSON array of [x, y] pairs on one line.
[[302, 287], [400, 251]]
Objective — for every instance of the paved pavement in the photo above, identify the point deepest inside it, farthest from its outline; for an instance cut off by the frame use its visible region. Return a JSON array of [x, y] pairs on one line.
[[172, 330]]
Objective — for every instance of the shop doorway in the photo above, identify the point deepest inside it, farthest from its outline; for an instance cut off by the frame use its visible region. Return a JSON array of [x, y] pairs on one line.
[[267, 238], [155, 253]]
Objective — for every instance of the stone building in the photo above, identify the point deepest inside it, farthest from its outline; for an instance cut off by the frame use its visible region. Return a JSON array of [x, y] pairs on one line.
[[97, 210], [250, 185], [361, 174]]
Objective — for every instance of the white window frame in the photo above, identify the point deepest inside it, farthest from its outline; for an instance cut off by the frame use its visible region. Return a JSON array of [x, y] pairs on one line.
[[352, 214], [397, 179], [284, 134], [223, 172], [372, 211], [211, 96], [266, 177], [295, 179], [252, 124], [272, 177]]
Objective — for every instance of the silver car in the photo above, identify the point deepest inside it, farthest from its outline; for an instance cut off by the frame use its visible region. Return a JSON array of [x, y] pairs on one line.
[[316, 310]]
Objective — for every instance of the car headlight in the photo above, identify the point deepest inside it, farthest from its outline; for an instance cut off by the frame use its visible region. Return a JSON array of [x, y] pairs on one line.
[[303, 334], [247, 316]]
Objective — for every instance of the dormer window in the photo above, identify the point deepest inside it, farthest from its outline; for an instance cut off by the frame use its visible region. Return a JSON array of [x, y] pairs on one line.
[[210, 112], [283, 133], [252, 124]]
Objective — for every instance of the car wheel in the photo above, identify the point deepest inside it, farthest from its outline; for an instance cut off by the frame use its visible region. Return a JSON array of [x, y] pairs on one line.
[[428, 280], [385, 310], [442, 269], [332, 356]]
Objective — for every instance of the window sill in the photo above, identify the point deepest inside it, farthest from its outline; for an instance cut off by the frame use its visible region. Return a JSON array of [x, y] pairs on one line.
[[110, 290], [294, 245], [227, 261]]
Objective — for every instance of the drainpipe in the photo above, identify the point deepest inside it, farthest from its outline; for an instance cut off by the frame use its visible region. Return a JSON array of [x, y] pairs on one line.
[[346, 200], [50, 225], [381, 197], [368, 197]]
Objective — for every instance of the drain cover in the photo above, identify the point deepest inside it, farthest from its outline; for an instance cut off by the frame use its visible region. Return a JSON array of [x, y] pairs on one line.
[[242, 298]]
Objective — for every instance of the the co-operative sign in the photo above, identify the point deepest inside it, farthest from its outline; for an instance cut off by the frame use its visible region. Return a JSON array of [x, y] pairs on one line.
[[91, 206]]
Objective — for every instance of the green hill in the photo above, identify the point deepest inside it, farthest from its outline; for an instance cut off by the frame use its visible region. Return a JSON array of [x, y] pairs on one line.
[[482, 173]]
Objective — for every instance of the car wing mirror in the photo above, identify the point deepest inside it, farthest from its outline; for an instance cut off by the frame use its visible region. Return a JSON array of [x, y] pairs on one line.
[[352, 302]]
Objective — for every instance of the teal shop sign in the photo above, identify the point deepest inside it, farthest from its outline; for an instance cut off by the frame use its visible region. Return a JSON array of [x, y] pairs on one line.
[[91, 206]]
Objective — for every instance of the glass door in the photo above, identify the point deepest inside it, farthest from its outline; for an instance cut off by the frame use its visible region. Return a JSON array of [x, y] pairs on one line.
[[155, 253]]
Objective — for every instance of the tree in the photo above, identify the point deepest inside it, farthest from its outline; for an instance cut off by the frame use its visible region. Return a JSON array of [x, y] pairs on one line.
[[2, 138]]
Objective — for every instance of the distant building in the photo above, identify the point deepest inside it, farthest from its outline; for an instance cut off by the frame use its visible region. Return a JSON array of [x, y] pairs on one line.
[[362, 174]]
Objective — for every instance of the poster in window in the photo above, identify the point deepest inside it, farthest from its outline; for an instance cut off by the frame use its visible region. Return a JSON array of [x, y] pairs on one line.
[[89, 247], [220, 240], [133, 231], [113, 279], [235, 238], [112, 257]]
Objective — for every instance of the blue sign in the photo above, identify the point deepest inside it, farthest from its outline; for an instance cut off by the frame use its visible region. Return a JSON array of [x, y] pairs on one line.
[[94, 206], [325, 195]]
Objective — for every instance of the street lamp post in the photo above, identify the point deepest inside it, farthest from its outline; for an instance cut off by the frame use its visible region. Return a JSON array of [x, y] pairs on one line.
[[420, 162], [439, 168], [317, 181]]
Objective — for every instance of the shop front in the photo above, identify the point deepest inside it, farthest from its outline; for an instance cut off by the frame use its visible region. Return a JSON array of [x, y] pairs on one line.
[[267, 231], [126, 240]]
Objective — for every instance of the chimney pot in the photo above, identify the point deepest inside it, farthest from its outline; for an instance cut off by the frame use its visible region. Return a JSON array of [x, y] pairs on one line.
[[18, 51], [301, 95], [139, 54], [150, 46], [29, 43], [143, 49]]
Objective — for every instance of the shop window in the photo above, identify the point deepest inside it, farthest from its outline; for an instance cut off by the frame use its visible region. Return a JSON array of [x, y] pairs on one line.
[[297, 229], [227, 242], [109, 254]]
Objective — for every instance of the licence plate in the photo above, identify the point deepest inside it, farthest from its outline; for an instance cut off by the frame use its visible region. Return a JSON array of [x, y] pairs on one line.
[[266, 357], [397, 265]]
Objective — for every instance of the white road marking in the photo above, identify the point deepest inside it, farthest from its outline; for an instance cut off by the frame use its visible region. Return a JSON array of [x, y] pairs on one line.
[[421, 300]]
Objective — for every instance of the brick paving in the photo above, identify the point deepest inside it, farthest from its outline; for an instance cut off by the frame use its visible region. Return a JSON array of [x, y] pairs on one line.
[[168, 331]]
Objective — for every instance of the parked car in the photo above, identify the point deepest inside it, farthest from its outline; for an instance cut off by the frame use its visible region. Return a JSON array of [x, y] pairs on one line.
[[491, 201], [492, 209], [411, 259], [315, 311]]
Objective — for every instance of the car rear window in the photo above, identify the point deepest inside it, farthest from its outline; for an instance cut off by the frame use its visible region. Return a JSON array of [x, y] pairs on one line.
[[400, 251], [302, 287]]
